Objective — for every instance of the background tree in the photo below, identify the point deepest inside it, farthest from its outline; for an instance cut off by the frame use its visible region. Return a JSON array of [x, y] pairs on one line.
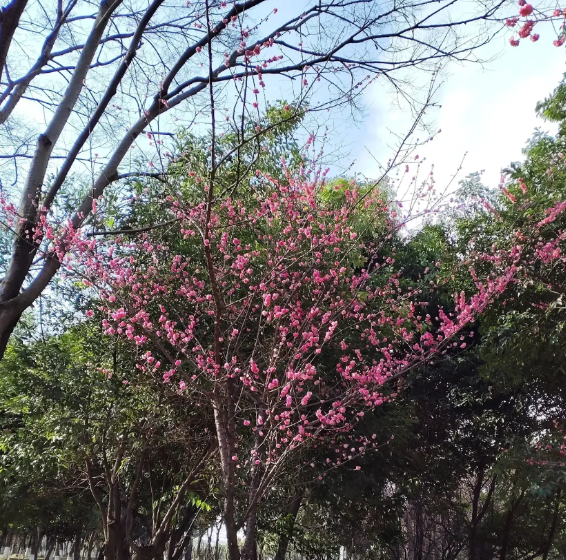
[[77, 427]]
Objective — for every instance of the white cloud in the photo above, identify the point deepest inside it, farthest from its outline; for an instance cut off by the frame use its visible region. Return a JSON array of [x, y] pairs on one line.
[[487, 112]]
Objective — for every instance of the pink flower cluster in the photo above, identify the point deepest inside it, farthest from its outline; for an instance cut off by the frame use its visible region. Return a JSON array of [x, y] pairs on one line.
[[283, 310]]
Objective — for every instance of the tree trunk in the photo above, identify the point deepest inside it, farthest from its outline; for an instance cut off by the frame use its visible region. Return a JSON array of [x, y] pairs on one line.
[[216, 544], [478, 511], [110, 544], [209, 544], [292, 512], [552, 531], [9, 318], [419, 531], [76, 550], [9, 19], [6, 551], [90, 546], [225, 435], [409, 527], [508, 525], [35, 542], [182, 536], [115, 547], [198, 545], [50, 547], [250, 545]]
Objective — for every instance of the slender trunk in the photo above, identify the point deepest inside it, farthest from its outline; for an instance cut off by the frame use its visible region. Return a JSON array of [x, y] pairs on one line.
[[216, 544], [90, 546], [508, 525], [505, 536], [35, 544], [419, 532], [183, 534], [198, 545], [171, 546], [409, 527], [209, 544], [9, 19], [76, 551], [250, 545], [478, 511], [292, 513], [553, 524], [474, 520], [18, 544], [50, 548], [226, 445]]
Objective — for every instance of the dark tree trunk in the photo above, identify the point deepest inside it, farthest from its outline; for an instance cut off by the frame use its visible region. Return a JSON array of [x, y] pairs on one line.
[[35, 541], [9, 317], [419, 531], [224, 422], [9, 19], [250, 545], [115, 547], [292, 511], [551, 533], [76, 550], [508, 525], [472, 546], [182, 536], [216, 544], [111, 543], [478, 512], [50, 547]]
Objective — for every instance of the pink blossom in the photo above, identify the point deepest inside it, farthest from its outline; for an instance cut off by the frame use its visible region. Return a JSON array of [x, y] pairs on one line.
[[306, 398]]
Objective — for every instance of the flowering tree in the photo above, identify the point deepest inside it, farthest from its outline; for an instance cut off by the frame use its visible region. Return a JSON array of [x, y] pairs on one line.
[[278, 308], [105, 83], [529, 16], [269, 300]]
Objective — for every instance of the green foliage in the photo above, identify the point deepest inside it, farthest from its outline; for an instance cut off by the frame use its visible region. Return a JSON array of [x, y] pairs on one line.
[[553, 108], [74, 399]]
